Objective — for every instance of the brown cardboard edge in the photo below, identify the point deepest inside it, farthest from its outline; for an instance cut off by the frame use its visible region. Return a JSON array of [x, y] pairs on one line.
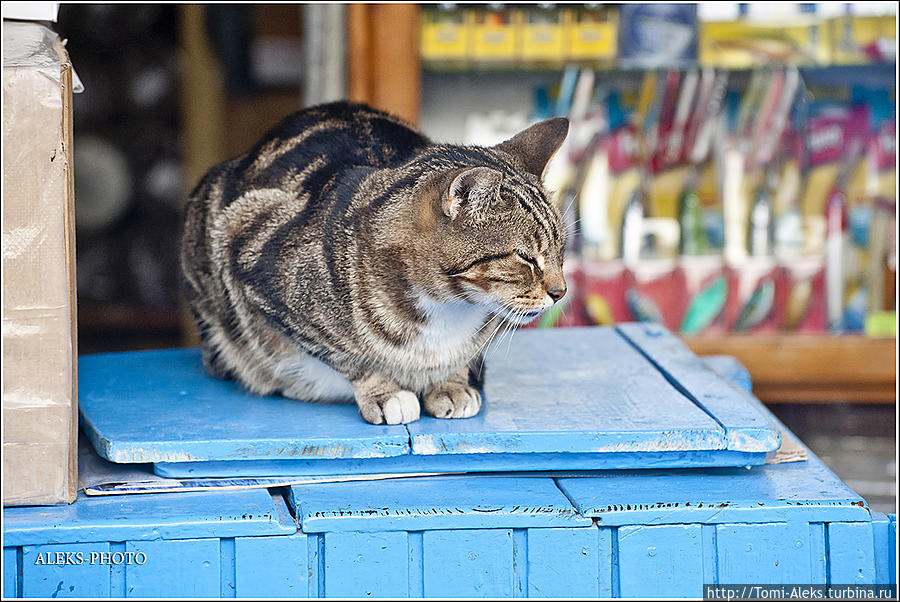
[[66, 85]]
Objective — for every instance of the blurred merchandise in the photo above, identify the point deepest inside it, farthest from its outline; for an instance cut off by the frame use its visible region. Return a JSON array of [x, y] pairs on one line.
[[543, 35], [752, 306], [592, 32], [862, 39], [799, 40], [706, 283], [495, 33], [802, 299], [657, 35], [445, 33], [529, 34], [717, 202]]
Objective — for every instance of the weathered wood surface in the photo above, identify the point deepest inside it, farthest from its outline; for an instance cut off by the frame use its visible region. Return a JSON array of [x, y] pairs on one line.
[[561, 391], [148, 516], [450, 502]]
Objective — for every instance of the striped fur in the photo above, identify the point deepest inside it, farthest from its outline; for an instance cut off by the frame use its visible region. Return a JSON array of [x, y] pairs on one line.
[[346, 255]]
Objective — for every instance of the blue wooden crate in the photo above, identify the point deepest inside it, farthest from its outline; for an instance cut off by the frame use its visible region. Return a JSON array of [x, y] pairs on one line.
[[465, 535], [629, 397], [628, 533]]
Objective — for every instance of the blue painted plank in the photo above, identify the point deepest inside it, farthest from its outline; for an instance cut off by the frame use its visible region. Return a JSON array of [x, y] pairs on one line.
[[746, 428], [180, 568], [562, 563], [419, 503], [607, 563], [271, 567], [499, 462], [710, 559], [153, 406], [520, 563], [793, 491], [227, 568], [660, 561], [777, 492], [767, 553], [881, 544], [473, 563], [729, 368], [315, 553], [150, 516], [603, 397], [818, 553], [10, 572], [66, 571], [851, 553], [892, 539], [374, 565]]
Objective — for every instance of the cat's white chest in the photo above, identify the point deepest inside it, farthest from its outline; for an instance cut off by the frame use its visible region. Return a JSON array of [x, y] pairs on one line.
[[449, 332]]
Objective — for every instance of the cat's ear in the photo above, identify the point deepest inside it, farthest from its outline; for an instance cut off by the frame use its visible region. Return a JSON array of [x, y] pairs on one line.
[[535, 146], [472, 189]]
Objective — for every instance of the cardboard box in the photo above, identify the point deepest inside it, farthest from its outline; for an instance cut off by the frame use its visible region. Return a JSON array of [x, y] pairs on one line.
[[40, 414]]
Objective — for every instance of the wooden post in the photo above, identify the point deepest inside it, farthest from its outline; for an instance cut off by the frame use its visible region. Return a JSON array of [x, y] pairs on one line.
[[383, 55]]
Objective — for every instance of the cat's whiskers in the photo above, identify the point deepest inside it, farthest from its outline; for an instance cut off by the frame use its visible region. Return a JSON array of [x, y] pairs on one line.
[[511, 325], [484, 345], [487, 343], [512, 334]]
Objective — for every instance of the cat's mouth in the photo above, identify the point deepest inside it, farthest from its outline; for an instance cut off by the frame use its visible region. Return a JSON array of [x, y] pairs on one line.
[[525, 318]]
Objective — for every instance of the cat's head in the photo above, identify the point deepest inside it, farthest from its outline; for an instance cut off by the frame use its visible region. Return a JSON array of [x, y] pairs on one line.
[[500, 240]]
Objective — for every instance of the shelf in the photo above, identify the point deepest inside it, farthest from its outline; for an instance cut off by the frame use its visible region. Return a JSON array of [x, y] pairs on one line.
[[811, 368], [881, 73]]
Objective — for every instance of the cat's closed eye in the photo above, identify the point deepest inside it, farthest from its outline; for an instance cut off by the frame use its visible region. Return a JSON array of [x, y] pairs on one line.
[[531, 260]]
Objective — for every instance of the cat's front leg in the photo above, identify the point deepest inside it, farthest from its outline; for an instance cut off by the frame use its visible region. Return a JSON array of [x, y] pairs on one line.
[[382, 401], [453, 398]]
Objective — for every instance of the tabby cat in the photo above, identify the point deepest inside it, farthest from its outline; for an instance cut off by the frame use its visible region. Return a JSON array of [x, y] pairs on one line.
[[346, 255]]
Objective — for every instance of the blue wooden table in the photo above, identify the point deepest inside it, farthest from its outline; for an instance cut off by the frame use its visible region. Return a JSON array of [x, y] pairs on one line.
[[587, 398], [604, 533]]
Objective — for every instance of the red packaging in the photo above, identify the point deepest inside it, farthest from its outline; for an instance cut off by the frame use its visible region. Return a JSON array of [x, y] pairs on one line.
[[604, 283], [655, 292], [800, 298], [752, 299], [707, 281]]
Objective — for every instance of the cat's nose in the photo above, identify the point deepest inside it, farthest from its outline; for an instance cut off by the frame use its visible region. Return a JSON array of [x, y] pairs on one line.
[[557, 293]]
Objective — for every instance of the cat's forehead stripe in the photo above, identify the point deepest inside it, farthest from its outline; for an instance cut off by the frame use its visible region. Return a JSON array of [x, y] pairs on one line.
[[547, 219]]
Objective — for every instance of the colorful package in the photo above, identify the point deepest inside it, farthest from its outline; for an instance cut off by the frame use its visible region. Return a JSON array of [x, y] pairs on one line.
[[707, 281], [800, 295], [655, 292], [604, 284], [751, 303]]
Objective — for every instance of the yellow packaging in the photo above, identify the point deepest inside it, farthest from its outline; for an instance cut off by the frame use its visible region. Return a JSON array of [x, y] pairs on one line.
[[495, 35], [747, 44], [591, 35], [851, 35], [445, 35], [543, 35]]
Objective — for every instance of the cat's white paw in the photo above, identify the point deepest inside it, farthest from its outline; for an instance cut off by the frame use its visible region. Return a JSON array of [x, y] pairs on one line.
[[401, 407], [453, 401]]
